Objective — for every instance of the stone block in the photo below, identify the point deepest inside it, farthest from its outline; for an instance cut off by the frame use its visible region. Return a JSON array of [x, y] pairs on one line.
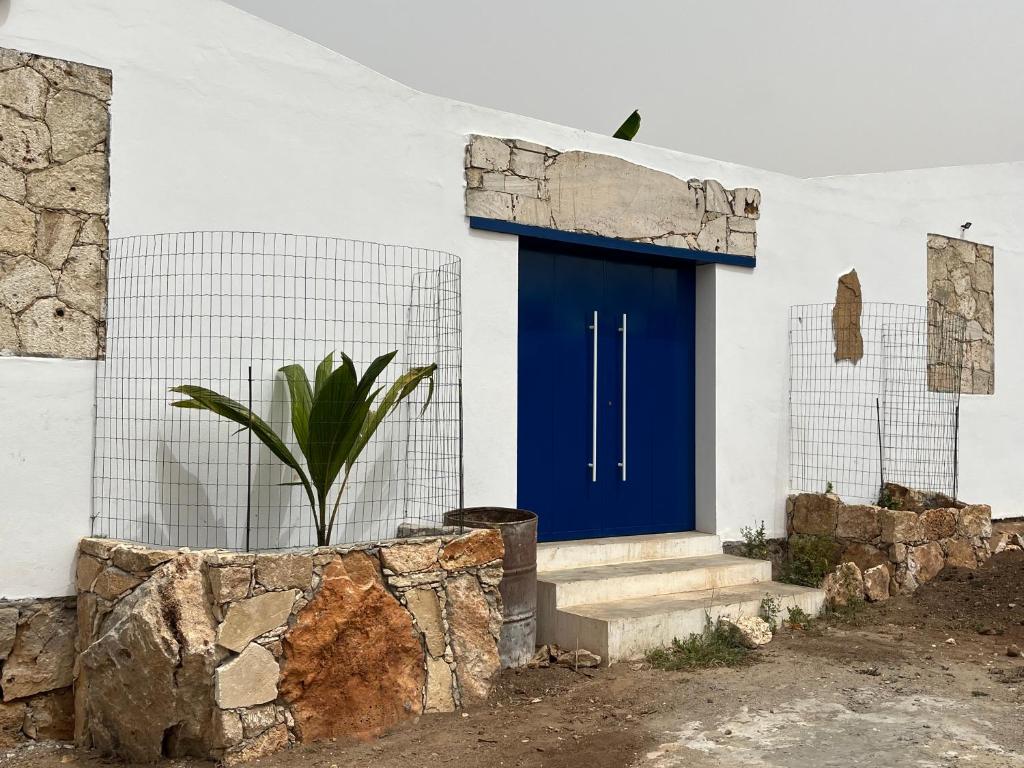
[[113, 582], [975, 520], [51, 716], [50, 328], [844, 585], [267, 743], [8, 332], [256, 720], [899, 526], [86, 570], [136, 559], [613, 197], [145, 685], [717, 199], [377, 681], [865, 556], [440, 686], [76, 77], [230, 582], [531, 211], [284, 571], [876, 583], [938, 523], [423, 604], [741, 243], [26, 144], [247, 680], [250, 618], [12, 183], [55, 235], [489, 154], [78, 124], [17, 227], [12, 718], [94, 232], [815, 514], [43, 654], [25, 90], [77, 185], [8, 629], [489, 204], [411, 558], [924, 562], [747, 202], [858, 522], [713, 237], [227, 727], [23, 281], [97, 547], [478, 546], [528, 164], [474, 644], [960, 553], [846, 319]]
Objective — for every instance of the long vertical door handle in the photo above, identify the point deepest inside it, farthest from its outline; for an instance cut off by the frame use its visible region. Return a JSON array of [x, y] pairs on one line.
[[624, 330], [593, 408]]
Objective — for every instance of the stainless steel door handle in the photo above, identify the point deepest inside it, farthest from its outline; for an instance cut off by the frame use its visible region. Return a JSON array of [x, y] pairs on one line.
[[624, 330], [593, 408]]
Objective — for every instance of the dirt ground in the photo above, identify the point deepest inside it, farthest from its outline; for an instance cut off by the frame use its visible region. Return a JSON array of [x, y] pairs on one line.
[[882, 689]]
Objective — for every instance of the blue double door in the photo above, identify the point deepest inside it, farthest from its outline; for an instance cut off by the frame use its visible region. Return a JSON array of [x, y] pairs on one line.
[[606, 392]]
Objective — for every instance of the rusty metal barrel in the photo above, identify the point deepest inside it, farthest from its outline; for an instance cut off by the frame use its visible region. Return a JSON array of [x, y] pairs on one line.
[[518, 528]]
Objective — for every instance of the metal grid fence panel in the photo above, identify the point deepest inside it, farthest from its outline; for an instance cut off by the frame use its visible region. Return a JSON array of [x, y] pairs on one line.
[[893, 416], [225, 310]]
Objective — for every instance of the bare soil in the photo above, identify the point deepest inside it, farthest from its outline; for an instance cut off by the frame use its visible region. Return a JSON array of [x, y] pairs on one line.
[[881, 689]]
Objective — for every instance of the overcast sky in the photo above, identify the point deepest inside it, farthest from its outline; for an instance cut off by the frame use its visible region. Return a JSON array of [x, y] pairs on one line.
[[808, 87]]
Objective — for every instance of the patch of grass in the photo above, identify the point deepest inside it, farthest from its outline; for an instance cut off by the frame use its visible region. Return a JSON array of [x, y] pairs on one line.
[[717, 646], [850, 613], [809, 560], [755, 543]]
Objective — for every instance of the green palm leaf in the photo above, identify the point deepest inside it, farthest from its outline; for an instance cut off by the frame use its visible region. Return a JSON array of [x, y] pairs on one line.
[[302, 402], [629, 127]]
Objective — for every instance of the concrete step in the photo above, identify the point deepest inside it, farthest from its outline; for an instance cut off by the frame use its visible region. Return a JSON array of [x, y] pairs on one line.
[[562, 555], [645, 578], [625, 629]]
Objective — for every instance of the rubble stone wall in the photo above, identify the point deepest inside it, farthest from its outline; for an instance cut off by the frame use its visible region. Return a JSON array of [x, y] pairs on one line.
[[37, 657], [526, 183], [54, 142], [231, 656], [913, 543], [961, 279]]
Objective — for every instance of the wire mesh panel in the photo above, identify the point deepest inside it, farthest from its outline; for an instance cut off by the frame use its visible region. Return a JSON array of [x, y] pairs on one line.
[[225, 311], [890, 416]]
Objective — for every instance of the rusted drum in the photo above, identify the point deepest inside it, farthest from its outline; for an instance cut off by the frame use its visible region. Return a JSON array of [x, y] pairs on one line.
[[518, 586]]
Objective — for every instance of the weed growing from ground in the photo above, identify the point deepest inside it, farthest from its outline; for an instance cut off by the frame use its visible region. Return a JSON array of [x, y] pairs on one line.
[[717, 646], [770, 610], [797, 617], [828, 486], [887, 500], [755, 543], [850, 613]]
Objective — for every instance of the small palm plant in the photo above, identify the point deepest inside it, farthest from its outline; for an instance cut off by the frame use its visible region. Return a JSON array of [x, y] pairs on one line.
[[333, 421]]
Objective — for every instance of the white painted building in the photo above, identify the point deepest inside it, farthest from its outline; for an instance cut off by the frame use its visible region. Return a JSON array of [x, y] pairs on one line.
[[222, 121]]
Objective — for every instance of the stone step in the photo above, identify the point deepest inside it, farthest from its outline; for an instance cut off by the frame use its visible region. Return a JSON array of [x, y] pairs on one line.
[[645, 578], [625, 629], [562, 555]]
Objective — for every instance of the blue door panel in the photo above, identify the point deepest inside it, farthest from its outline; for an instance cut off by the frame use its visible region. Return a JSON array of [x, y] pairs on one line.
[[560, 287]]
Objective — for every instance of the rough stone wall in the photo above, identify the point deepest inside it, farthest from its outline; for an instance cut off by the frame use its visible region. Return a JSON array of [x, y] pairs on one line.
[[526, 183], [960, 279], [54, 132], [914, 543], [37, 655], [232, 656]]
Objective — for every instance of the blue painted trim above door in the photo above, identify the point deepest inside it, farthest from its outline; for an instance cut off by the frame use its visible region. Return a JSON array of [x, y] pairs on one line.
[[610, 243]]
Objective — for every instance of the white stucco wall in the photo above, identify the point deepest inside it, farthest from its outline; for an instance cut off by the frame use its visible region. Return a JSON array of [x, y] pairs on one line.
[[222, 121]]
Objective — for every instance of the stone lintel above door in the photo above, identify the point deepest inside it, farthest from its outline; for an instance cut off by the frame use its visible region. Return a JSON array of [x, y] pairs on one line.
[[533, 185]]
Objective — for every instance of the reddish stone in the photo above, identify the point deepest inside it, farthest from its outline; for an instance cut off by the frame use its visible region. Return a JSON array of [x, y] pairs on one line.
[[478, 547], [865, 556], [814, 514], [353, 664], [925, 562], [899, 526], [938, 523], [960, 553], [859, 523]]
